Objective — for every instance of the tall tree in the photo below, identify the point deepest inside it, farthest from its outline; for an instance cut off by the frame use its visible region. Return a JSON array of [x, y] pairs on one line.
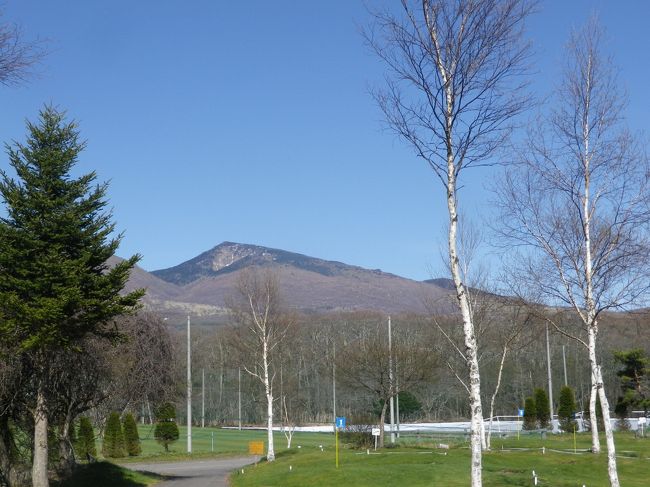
[[567, 409], [364, 363], [577, 205], [542, 408], [452, 93], [261, 326], [55, 286]]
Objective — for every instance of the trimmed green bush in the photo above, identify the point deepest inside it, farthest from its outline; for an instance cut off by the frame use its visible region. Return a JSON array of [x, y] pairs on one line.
[[530, 414], [85, 444], [131, 437], [567, 409], [113, 445], [166, 431], [543, 408]]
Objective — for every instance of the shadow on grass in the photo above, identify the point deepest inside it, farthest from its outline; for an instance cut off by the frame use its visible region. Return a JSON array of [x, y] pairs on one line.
[[105, 474]]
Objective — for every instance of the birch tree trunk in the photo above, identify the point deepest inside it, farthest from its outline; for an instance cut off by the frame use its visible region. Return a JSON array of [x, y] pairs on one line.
[[612, 469], [476, 411], [270, 451], [593, 396], [494, 396]]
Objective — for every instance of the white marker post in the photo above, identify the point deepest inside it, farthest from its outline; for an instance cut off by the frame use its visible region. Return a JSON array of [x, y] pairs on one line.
[[376, 433]]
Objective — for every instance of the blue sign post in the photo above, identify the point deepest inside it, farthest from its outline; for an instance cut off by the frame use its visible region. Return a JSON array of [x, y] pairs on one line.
[[520, 413], [340, 423]]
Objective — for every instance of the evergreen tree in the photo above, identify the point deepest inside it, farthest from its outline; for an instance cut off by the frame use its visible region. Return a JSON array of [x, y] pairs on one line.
[[113, 445], [635, 381], [55, 240], [566, 410], [166, 430], [530, 414], [85, 444], [543, 408], [131, 437]]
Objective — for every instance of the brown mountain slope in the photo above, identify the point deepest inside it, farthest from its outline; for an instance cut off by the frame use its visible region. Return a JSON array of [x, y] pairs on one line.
[[307, 283]]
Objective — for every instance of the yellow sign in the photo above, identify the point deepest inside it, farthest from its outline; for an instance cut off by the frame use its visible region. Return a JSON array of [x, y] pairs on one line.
[[256, 447]]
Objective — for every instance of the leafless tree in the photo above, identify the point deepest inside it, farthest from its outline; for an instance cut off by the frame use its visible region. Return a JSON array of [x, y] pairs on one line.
[[576, 205], [17, 56], [261, 326], [364, 362], [452, 93], [141, 365]]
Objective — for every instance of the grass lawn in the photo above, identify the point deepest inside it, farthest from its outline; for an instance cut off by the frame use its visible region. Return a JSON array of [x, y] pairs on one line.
[[424, 465], [209, 442], [105, 474]]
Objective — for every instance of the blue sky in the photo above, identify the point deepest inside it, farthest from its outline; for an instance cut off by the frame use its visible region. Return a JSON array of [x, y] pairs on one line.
[[251, 122]]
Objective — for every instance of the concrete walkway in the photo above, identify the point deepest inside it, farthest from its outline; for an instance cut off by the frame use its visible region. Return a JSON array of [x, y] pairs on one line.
[[194, 473]]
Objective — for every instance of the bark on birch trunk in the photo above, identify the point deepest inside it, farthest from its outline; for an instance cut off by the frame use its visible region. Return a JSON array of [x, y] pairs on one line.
[[612, 470], [593, 397], [270, 451], [476, 425]]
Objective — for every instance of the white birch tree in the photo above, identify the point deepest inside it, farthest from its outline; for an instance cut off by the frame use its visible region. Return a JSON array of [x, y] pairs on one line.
[[577, 204], [261, 327], [452, 91]]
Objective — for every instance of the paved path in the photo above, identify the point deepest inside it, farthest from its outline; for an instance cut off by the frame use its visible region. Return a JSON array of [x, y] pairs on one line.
[[194, 473]]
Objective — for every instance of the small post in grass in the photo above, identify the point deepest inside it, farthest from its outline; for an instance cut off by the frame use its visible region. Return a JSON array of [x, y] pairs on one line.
[[340, 423]]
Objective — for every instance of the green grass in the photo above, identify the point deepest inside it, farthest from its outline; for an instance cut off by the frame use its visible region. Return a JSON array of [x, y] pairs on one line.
[[419, 466], [105, 474], [208, 442]]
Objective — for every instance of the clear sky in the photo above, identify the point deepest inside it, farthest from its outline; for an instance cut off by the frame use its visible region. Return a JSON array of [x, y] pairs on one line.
[[251, 122]]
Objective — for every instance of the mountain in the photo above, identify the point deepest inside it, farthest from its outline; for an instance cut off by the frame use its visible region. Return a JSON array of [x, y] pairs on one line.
[[203, 284]]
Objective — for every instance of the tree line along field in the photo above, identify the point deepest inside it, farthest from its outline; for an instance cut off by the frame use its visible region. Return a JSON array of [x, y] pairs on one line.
[[317, 343]]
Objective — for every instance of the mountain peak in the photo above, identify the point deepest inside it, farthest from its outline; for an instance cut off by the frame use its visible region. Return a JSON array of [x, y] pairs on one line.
[[231, 256]]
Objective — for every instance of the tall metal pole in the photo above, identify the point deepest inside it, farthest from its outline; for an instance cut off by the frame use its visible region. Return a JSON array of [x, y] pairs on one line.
[[390, 383], [550, 379], [566, 383], [239, 398], [334, 383], [397, 398], [202, 398], [189, 389]]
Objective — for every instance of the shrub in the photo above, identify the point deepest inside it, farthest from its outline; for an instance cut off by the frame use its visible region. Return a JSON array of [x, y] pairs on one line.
[[530, 414], [85, 444], [566, 410], [358, 432], [131, 437], [166, 430], [113, 445], [543, 408]]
